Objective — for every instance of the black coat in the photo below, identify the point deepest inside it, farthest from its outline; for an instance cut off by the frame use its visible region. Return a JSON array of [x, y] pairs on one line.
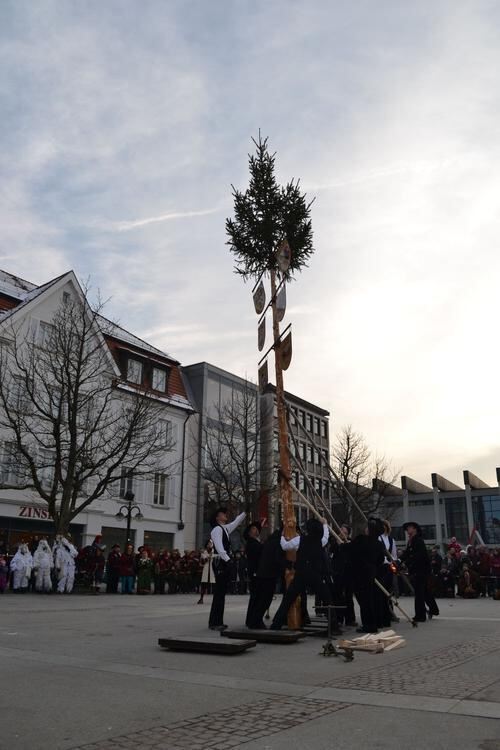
[[416, 557], [311, 556], [367, 555], [272, 557], [253, 552]]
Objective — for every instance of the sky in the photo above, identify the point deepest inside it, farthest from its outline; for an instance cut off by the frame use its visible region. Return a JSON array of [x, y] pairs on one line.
[[125, 123]]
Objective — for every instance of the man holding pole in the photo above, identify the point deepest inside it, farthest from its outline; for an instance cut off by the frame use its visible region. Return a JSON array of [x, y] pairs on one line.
[[221, 531], [310, 568]]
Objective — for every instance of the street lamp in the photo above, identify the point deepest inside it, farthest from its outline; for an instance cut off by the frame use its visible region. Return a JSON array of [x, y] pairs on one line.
[[129, 509]]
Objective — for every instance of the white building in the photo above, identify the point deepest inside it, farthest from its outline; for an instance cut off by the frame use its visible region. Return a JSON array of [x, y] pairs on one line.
[[165, 501]]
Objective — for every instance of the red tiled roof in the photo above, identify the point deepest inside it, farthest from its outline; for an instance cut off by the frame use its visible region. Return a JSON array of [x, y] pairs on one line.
[[7, 303]]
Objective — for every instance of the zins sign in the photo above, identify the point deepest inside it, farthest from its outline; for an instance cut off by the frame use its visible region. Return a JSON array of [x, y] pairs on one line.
[[27, 511]]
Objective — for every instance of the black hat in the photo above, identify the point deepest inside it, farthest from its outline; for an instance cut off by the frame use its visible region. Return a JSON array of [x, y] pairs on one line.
[[415, 524], [257, 525]]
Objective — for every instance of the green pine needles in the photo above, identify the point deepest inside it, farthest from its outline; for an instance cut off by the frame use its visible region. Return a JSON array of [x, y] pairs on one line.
[[264, 215]]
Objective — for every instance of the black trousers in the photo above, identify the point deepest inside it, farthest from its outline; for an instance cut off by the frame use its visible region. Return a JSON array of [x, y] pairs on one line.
[[365, 594], [423, 596], [303, 580], [222, 580], [264, 592], [250, 620]]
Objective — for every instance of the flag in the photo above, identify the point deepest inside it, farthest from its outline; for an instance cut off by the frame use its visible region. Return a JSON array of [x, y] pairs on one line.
[[281, 303], [261, 334], [263, 377], [284, 256], [286, 351], [259, 298]]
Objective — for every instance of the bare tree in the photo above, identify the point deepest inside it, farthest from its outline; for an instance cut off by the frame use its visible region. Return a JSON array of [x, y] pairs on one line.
[[231, 445], [368, 478], [67, 425]]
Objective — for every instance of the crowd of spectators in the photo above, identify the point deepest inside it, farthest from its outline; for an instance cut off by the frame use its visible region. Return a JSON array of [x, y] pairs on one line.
[[128, 571], [469, 572]]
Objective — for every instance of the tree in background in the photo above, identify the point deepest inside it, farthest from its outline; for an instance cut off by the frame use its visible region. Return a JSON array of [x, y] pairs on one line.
[[67, 428], [231, 445], [367, 477]]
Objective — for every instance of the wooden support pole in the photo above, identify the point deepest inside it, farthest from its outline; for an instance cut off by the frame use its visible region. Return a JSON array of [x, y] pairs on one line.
[[289, 521]]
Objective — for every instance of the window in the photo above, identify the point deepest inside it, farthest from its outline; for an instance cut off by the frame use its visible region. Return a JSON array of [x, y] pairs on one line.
[[302, 483], [18, 397], [303, 451], [126, 481], [275, 442], [324, 428], [9, 465], [316, 425], [303, 417], [45, 334], [310, 456], [46, 467], [157, 540], [309, 425], [134, 371], [160, 489], [168, 433], [293, 416], [66, 298], [317, 459], [159, 380]]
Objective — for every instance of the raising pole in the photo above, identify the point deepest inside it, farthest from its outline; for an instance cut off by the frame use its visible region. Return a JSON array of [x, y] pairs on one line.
[[289, 521]]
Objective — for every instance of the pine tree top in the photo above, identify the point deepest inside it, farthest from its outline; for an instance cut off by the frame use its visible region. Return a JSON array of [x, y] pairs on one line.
[[266, 214]]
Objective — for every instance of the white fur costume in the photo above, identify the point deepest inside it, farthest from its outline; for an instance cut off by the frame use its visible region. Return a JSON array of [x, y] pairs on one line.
[[64, 558], [43, 562], [21, 566]]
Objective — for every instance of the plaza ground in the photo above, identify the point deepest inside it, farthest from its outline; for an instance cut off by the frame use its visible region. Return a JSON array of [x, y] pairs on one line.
[[85, 671]]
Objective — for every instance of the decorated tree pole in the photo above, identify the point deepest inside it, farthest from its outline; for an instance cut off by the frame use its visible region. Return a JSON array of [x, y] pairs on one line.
[[271, 234]]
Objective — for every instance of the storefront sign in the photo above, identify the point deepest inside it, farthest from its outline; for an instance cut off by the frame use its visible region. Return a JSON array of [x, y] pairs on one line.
[[28, 511]]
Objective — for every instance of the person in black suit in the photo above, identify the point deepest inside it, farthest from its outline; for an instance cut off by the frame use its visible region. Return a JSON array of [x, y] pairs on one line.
[[417, 560], [253, 550], [367, 555]]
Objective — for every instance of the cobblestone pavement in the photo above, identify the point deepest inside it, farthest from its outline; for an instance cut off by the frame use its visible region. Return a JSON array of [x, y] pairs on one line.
[[419, 676], [231, 728]]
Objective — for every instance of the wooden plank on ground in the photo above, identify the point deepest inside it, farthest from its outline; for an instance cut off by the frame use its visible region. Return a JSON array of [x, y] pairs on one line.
[[207, 645], [397, 644], [266, 636]]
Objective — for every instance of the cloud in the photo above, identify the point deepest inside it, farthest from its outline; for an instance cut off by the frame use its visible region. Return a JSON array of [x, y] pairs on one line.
[[388, 113], [125, 226]]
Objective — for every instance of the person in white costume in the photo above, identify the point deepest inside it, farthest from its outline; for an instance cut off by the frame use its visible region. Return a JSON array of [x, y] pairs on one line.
[[43, 562], [64, 560], [21, 566]]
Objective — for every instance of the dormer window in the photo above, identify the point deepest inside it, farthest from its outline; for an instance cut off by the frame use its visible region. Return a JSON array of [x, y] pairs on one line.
[[134, 371], [159, 379]]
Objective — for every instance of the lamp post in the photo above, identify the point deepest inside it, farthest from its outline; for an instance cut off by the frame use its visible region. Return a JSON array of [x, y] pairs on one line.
[[129, 508]]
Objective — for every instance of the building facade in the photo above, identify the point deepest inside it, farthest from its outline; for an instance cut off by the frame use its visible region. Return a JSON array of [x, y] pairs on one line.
[[222, 398], [167, 518]]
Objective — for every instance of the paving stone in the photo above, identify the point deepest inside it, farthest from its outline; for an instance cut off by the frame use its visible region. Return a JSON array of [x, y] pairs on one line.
[[426, 675], [273, 714]]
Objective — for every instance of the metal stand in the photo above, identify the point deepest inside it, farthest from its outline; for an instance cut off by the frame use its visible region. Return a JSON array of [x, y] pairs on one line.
[[329, 648]]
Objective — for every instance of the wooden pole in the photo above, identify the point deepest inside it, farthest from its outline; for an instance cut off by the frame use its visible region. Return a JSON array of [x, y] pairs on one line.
[[289, 521]]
